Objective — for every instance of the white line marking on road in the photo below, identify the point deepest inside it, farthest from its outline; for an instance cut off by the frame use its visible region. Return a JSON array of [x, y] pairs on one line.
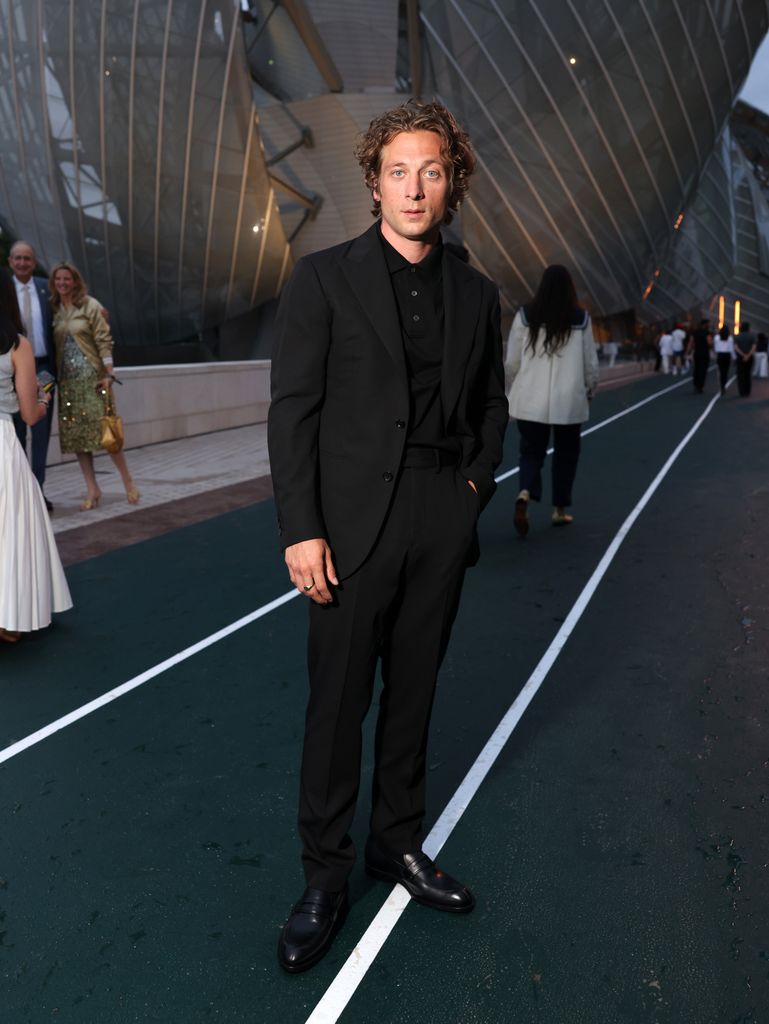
[[132, 684], [119, 691], [342, 988]]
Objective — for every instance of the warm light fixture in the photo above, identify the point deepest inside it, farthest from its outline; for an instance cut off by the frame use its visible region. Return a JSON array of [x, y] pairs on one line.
[[572, 60], [737, 317], [720, 312], [255, 229], [679, 218]]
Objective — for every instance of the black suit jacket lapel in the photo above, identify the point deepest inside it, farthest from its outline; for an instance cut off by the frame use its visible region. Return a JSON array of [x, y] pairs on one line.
[[47, 313], [461, 300], [366, 271]]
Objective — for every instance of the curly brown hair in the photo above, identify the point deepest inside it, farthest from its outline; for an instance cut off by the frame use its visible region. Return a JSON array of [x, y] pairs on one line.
[[414, 116], [79, 292]]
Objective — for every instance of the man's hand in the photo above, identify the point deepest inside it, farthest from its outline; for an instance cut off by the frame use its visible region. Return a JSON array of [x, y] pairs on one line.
[[473, 486], [311, 569]]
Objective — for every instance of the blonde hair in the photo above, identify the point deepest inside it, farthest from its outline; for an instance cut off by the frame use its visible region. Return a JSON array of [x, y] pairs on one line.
[[79, 292]]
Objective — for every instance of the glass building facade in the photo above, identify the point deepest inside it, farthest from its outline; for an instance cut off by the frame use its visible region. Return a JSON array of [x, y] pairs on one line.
[[596, 122], [129, 145], [185, 152]]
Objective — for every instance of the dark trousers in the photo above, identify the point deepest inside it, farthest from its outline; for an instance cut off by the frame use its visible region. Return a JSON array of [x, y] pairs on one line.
[[700, 370], [40, 432], [566, 447], [744, 375], [399, 608], [724, 361]]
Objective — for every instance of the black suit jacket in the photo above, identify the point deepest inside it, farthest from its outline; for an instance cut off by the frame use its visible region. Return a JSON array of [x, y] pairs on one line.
[[41, 287], [340, 396]]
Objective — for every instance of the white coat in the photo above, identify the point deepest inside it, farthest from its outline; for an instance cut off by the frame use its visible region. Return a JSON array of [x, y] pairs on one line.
[[551, 388]]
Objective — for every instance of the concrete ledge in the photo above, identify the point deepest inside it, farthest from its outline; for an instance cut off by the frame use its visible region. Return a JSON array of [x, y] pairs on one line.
[[165, 403]]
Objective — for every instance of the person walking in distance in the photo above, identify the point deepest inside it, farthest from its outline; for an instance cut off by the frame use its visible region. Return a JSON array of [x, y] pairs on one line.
[[679, 345], [34, 301], [761, 361], [744, 350], [666, 350], [700, 343], [386, 423], [553, 368], [723, 346]]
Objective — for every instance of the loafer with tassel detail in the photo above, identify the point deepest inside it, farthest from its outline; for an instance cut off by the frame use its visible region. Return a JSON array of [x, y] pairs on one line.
[[307, 935], [424, 882]]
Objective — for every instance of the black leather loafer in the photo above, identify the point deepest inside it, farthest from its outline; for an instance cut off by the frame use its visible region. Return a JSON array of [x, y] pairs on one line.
[[424, 882], [310, 930]]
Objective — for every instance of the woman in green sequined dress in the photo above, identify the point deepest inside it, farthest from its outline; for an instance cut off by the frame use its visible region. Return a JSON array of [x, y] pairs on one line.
[[85, 376]]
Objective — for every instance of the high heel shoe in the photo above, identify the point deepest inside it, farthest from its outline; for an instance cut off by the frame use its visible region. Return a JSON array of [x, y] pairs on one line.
[[561, 517], [521, 517], [132, 495], [90, 502]]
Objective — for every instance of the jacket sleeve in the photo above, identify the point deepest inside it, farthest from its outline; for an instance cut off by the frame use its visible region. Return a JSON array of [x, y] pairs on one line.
[[589, 358], [491, 401], [302, 341], [514, 353], [100, 332]]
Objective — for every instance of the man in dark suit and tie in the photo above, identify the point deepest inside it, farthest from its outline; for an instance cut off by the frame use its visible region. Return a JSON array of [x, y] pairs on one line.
[[386, 424], [32, 293]]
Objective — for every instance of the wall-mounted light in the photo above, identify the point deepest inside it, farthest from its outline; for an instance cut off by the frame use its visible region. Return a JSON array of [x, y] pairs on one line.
[[572, 60], [679, 218], [737, 305], [720, 311]]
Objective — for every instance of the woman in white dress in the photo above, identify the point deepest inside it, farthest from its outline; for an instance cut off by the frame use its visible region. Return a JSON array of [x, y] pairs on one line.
[[32, 582], [553, 368]]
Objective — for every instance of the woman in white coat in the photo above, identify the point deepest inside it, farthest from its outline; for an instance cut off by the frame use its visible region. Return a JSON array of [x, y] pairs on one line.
[[552, 364]]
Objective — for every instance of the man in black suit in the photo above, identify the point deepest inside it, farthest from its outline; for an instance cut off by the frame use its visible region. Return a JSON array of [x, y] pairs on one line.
[[386, 424], [34, 303]]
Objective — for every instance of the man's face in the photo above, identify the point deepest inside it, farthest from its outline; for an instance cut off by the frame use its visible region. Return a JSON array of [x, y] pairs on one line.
[[22, 262], [414, 187]]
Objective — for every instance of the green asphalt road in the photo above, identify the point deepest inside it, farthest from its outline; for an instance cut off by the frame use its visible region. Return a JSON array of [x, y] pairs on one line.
[[617, 849]]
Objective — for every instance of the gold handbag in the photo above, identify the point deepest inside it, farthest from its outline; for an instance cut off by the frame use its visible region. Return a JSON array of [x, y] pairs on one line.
[[112, 435]]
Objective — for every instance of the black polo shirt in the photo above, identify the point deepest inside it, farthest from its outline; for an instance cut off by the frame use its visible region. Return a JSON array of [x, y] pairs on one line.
[[418, 290]]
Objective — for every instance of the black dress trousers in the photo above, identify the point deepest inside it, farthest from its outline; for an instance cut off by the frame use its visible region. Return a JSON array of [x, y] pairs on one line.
[[398, 607], [744, 375], [566, 448]]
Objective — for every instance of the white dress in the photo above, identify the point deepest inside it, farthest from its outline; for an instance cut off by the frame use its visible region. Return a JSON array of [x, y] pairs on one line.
[[32, 581]]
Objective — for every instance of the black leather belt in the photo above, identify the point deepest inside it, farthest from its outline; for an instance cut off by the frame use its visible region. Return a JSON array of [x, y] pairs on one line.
[[429, 458]]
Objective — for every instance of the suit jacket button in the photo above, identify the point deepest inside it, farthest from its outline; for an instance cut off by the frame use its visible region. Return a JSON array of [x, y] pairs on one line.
[[387, 477], [400, 424]]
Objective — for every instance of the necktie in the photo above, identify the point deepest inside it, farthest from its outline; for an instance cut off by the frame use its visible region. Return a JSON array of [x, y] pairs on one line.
[[26, 312]]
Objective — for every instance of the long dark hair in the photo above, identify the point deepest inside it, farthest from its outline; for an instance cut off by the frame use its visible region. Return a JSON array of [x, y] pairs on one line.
[[10, 317], [553, 307], [724, 333]]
